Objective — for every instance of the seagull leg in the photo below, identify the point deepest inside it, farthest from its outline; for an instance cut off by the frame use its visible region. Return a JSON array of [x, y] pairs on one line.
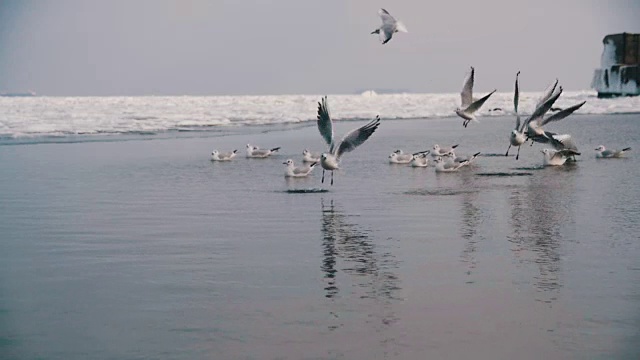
[[509, 148], [322, 176], [332, 178], [518, 154]]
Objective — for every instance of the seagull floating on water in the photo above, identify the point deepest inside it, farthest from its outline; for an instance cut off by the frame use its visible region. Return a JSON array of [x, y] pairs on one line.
[[389, 26], [442, 151], [603, 153], [460, 159], [399, 157], [226, 156], [308, 156], [442, 166], [256, 152], [557, 157], [293, 171], [330, 160], [419, 160], [468, 106]]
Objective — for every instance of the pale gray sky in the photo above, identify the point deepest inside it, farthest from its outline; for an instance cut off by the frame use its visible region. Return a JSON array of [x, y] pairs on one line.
[[189, 47]]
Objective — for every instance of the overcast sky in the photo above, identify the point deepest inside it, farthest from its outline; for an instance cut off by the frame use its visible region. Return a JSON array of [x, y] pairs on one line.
[[190, 47]]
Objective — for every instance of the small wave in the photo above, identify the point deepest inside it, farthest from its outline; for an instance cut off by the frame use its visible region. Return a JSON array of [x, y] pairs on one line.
[[500, 174], [307, 191]]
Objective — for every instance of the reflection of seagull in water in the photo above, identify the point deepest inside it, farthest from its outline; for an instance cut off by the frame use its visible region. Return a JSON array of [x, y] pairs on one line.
[[468, 106], [557, 157], [293, 171], [389, 26], [226, 156], [350, 142], [602, 152]]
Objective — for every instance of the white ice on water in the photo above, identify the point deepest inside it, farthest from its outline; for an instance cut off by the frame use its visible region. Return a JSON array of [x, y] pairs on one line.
[[61, 116]]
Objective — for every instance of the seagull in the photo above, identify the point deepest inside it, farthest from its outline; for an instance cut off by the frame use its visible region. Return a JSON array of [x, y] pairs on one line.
[[293, 171], [399, 157], [442, 151], [389, 26], [227, 156], [256, 152], [356, 137], [308, 156], [468, 105], [442, 166], [461, 159], [419, 160], [601, 152], [517, 136], [557, 157]]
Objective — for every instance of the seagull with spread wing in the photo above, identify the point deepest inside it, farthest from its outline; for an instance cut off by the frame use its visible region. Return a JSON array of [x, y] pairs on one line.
[[468, 106], [330, 160], [389, 26]]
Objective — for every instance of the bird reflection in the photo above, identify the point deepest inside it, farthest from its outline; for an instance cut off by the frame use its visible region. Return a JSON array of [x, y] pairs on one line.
[[471, 218], [539, 215], [358, 272], [349, 245]]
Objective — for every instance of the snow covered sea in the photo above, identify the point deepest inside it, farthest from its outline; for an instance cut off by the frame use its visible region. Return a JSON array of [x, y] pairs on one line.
[[36, 119]]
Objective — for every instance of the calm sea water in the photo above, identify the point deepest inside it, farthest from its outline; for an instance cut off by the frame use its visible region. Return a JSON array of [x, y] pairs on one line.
[[140, 247]]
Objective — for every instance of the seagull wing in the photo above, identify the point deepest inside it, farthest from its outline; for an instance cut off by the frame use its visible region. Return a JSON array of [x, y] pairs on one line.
[[478, 103], [516, 94], [325, 125], [562, 114], [356, 137], [466, 94], [386, 17], [548, 92], [543, 108], [386, 32]]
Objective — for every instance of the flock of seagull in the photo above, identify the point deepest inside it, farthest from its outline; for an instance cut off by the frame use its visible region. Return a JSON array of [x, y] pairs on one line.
[[444, 158]]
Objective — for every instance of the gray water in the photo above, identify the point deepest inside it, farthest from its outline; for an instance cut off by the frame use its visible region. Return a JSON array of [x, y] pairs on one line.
[[141, 247]]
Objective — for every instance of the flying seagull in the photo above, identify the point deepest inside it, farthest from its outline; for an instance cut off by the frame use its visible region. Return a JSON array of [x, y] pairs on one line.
[[389, 26], [330, 160]]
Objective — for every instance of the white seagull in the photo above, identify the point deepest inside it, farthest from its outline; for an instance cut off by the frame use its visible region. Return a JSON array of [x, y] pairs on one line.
[[399, 157], [517, 136], [419, 160], [330, 160], [557, 157], [442, 166], [389, 26], [226, 156], [460, 159], [293, 171], [602, 152], [256, 152], [468, 106], [442, 151], [308, 156]]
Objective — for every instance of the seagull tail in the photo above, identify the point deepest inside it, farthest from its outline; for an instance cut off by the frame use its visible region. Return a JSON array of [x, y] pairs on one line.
[[626, 149], [400, 27], [275, 149], [235, 151]]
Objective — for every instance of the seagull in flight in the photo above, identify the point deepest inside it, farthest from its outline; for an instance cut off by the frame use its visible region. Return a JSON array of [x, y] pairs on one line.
[[389, 26], [468, 106], [330, 160]]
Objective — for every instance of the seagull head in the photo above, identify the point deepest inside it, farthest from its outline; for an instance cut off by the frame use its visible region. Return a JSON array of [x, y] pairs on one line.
[[600, 148], [436, 147], [393, 155], [214, 152], [305, 152], [289, 162]]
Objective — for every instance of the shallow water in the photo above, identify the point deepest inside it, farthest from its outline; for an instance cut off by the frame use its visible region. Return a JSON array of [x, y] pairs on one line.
[[146, 249]]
